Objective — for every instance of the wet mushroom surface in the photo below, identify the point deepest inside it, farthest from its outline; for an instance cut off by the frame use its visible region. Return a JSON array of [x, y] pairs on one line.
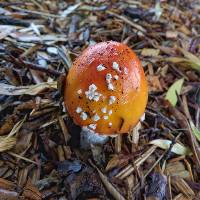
[[106, 89], [73, 93]]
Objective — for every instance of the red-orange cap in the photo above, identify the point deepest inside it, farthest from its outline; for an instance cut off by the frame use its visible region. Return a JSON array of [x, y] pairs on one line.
[[106, 89]]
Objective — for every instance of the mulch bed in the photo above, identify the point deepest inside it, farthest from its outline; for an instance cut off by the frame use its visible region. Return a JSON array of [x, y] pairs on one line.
[[40, 154]]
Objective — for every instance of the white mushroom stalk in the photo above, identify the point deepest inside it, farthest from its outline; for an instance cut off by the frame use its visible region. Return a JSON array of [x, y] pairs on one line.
[[89, 138]]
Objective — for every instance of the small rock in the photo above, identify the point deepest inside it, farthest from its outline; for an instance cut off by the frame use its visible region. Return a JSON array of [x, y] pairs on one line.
[[42, 62], [52, 50]]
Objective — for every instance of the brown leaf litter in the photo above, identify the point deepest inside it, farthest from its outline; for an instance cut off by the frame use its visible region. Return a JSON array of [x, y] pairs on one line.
[[40, 154]]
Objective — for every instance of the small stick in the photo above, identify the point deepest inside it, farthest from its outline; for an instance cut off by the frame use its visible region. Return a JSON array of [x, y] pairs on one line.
[[61, 154], [130, 168], [118, 144], [108, 185], [127, 21], [42, 14], [20, 62], [148, 172], [170, 187], [66, 134]]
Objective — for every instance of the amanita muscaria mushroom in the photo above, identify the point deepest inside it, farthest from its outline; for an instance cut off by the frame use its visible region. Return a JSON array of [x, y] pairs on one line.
[[106, 89]]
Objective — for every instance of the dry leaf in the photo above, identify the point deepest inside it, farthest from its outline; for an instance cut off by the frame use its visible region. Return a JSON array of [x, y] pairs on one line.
[[171, 34], [8, 190], [150, 52], [181, 186], [195, 131], [70, 9], [195, 61], [25, 37], [158, 10], [189, 59], [5, 30], [154, 83], [177, 148], [177, 169], [31, 192], [173, 91], [112, 163], [6, 89], [9, 141], [181, 197]]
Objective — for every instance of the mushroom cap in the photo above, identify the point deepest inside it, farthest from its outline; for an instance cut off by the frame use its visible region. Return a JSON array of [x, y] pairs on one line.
[[106, 89]]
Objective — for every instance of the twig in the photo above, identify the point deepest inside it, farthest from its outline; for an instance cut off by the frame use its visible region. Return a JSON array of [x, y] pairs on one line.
[[168, 152], [131, 23], [6, 4], [169, 187], [108, 185], [118, 143], [65, 131], [6, 89], [129, 169], [43, 14], [19, 62], [182, 120], [6, 20], [22, 157], [148, 172]]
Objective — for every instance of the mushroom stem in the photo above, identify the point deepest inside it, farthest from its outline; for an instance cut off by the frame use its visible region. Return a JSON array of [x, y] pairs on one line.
[[93, 141], [89, 137]]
